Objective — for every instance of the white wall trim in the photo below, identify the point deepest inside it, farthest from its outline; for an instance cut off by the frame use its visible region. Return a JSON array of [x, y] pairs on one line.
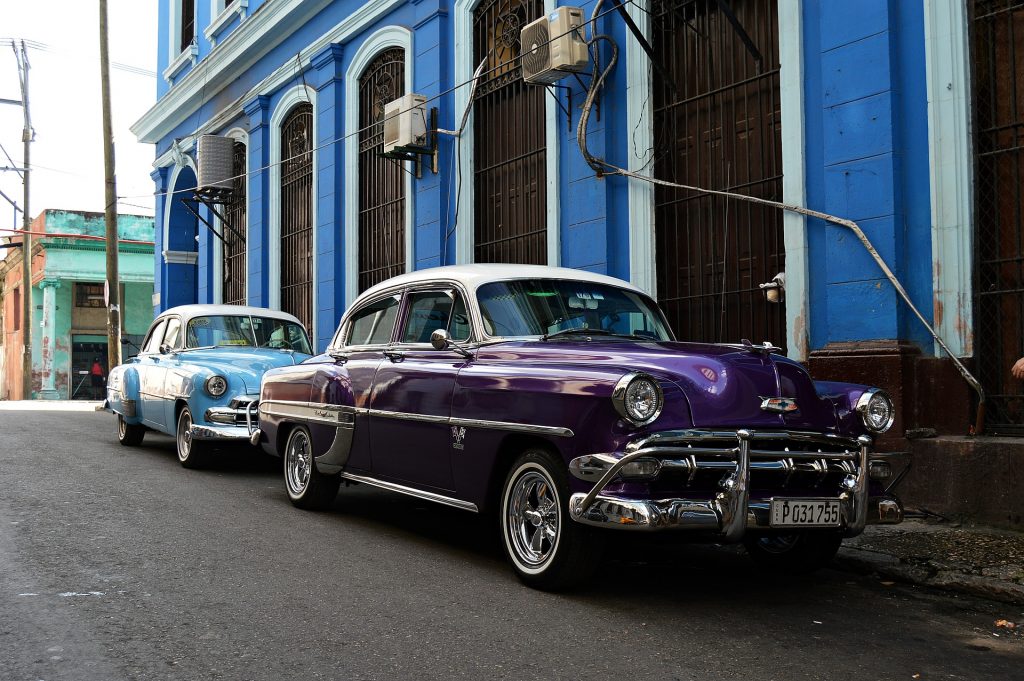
[[177, 58], [947, 59], [239, 135], [180, 257], [641, 194], [262, 31], [464, 68], [222, 17], [794, 172], [183, 161], [389, 36], [296, 95]]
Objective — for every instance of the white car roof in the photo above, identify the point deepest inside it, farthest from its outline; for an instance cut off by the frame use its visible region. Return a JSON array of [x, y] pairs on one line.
[[473, 276], [187, 312]]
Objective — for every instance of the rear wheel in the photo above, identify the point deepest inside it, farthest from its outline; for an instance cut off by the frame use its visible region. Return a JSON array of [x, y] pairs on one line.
[[191, 453], [546, 548], [793, 554], [307, 488], [129, 435]]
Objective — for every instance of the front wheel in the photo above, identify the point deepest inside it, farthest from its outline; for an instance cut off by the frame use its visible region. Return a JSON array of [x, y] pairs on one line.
[[191, 452], [129, 435], [793, 554], [307, 488], [547, 550]]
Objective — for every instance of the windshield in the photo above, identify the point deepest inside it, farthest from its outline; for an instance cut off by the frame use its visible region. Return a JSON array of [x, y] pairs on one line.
[[246, 331], [543, 307]]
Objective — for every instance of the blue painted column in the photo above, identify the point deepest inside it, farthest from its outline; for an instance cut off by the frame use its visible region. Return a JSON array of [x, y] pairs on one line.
[[257, 158], [330, 294]]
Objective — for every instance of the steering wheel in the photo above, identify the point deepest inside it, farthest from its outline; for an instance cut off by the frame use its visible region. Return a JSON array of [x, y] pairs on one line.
[[280, 344]]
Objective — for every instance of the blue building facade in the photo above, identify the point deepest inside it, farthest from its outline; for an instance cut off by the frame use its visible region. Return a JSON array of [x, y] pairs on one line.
[[861, 110]]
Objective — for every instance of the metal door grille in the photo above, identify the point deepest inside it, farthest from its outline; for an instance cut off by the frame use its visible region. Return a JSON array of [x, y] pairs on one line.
[[381, 180], [510, 140], [296, 214], [719, 129], [234, 265], [997, 52]]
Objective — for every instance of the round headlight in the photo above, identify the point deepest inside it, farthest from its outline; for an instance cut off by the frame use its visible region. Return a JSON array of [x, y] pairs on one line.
[[638, 398], [876, 410], [216, 385]]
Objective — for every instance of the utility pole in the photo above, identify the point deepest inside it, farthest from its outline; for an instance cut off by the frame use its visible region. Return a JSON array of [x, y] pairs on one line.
[[113, 287], [26, 238]]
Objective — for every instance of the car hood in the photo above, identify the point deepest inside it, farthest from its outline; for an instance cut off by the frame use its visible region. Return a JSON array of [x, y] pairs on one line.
[[247, 364], [724, 385]]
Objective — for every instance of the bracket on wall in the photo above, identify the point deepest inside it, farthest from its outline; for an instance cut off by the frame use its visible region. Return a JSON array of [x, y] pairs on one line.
[[211, 198]]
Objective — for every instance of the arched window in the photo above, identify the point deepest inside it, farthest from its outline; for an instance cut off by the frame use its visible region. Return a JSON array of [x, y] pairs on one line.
[[297, 213], [510, 140], [234, 233], [382, 198]]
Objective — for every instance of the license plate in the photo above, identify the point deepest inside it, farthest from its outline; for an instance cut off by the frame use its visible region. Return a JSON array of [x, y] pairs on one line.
[[805, 513]]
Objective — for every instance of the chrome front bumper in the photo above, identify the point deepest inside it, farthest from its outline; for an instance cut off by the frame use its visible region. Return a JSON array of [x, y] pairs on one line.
[[729, 512], [221, 433]]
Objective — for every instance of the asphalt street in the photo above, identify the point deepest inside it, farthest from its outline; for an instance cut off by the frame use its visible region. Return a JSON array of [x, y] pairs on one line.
[[117, 563]]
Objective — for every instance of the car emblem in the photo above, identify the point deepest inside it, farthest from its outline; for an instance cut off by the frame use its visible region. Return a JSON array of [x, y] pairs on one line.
[[779, 405], [458, 435]]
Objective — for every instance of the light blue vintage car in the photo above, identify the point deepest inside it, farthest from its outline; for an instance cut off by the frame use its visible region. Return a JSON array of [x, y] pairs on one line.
[[197, 375]]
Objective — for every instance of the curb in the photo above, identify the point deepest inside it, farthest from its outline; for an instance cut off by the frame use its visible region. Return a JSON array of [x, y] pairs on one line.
[[865, 561]]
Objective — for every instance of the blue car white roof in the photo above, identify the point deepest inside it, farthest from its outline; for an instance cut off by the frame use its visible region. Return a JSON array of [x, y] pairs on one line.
[[187, 312]]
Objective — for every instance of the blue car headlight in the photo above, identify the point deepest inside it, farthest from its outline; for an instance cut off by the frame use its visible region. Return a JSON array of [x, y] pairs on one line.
[[216, 386]]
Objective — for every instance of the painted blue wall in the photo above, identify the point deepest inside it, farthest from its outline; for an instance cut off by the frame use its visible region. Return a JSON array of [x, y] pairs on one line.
[[866, 158]]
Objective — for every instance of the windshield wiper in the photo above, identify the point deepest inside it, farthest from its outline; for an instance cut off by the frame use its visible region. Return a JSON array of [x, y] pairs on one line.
[[589, 332]]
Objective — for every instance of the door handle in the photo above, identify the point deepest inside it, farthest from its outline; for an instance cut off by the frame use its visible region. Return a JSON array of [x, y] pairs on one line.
[[394, 356]]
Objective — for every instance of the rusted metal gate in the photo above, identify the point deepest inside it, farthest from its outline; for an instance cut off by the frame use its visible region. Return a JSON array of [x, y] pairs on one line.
[[233, 291], [297, 213], [997, 52], [717, 125], [381, 180], [510, 140]]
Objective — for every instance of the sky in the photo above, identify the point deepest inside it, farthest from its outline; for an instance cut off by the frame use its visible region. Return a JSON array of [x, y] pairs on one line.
[[64, 99]]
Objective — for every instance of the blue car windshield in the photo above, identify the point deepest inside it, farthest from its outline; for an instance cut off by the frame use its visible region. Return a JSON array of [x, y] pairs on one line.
[[246, 331], [542, 307]]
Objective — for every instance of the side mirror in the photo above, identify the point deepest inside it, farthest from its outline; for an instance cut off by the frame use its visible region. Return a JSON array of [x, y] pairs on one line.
[[439, 339], [165, 349]]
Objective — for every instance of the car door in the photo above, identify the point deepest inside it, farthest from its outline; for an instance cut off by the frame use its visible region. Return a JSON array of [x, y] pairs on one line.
[[165, 374], [150, 405], [412, 396], [367, 333]]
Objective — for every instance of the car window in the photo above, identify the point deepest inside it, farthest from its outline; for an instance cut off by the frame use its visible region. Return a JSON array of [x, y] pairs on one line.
[[156, 336], [233, 331], [373, 324], [172, 337], [432, 310]]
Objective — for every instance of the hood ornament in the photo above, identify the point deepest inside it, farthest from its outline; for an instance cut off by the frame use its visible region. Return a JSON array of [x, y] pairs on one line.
[[765, 348], [779, 405]]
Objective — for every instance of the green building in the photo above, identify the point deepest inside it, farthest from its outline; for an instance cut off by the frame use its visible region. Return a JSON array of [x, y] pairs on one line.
[[69, 320]]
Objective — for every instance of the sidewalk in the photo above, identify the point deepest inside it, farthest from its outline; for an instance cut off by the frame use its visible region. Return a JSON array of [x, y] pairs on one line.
[[49, 405], [942, 554]]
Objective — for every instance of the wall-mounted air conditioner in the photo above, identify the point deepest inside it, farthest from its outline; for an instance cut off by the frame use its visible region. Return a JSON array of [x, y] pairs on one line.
[[554, 47], [215, 161], [405, 125]]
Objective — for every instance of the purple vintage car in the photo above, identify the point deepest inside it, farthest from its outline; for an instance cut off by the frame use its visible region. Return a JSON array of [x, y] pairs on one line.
[[561, 400]]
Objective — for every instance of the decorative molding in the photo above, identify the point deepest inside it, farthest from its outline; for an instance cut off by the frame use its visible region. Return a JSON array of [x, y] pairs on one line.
[[225, 17], [180, 257], [641, 194], [794, 173], [947, 62], [178, 64], [464, 69], [169, 195], [389, 36], [264, 30], [298, 94]]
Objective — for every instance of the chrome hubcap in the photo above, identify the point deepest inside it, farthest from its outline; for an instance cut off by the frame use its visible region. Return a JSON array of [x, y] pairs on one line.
[[297, 463], [121, 427], [533, 516], [184, 435]]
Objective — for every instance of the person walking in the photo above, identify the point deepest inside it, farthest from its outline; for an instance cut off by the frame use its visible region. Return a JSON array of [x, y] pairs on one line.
[[97, 376]]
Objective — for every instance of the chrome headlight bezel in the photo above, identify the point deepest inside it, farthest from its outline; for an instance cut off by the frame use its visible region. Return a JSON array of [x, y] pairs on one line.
[[626, 386], [864, 404], [211, 385]]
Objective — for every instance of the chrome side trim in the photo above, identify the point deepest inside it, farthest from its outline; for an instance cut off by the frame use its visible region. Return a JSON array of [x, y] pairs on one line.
[[405, 416], [418, 493], [556, 431], [331, 414]]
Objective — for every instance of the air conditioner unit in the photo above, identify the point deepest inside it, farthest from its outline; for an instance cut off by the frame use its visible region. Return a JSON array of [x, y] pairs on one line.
[[405, 125], [553, 47], [215, 158]]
